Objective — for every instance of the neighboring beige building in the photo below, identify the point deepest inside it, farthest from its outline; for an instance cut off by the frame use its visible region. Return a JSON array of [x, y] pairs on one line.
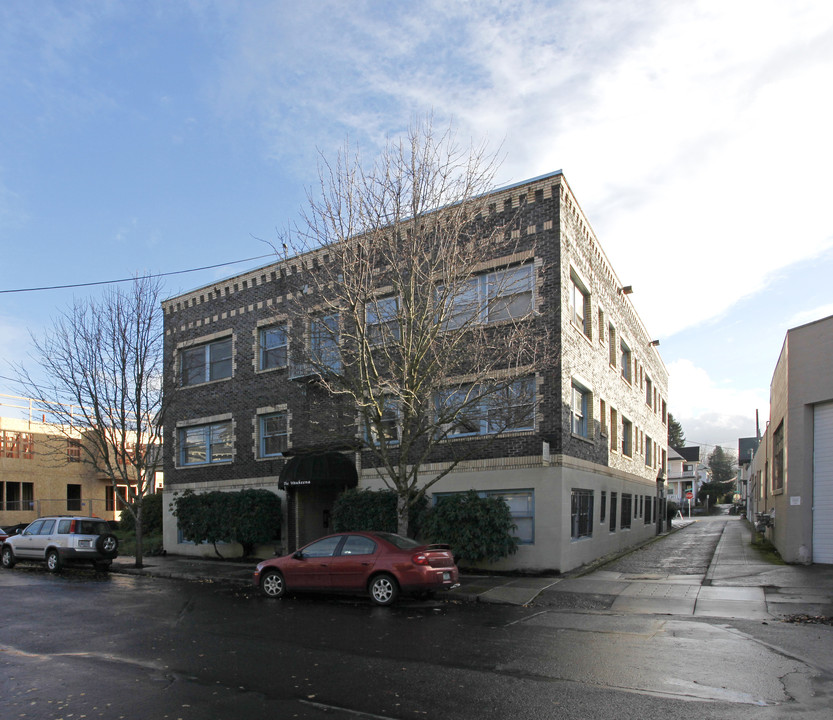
[[791, 477], [42, 472]]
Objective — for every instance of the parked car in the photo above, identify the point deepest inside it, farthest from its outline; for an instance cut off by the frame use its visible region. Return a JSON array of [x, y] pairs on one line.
[[381, 565], [59, 540]]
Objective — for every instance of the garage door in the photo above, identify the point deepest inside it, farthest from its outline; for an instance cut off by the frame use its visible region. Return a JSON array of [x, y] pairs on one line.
[[823, 484]]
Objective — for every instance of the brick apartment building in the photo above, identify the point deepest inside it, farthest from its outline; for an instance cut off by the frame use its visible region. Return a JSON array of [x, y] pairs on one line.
[[582, 473]]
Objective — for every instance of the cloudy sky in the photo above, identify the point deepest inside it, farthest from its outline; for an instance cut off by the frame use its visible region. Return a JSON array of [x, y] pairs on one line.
[[163, 136]]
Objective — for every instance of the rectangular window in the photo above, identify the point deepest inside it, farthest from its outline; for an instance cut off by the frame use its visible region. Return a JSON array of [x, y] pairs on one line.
[[273, 347], [73, 498], [648, 515], [611, 339], [614, 430], [579, 411], [649, 452], [627, 438], [205, 363], [384, 419], [492, 297], [468, 410], [613, 499], [778, 459], [521, 507], [579, 305], [603, 416], [73, 450], [649, 391], [603, 507], [324, 343], [627, 503], [581, 513], [10, 444], [509, 294], [212, 443], [382, 320], [463, 305], [274, 434], [601, 325], [625, 360]]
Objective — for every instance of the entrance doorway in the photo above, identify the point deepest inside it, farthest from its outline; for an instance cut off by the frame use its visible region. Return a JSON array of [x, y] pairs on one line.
[[312, 483]]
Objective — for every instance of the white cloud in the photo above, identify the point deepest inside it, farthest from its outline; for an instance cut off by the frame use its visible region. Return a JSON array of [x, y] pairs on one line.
[[808, 316], [710, 411]]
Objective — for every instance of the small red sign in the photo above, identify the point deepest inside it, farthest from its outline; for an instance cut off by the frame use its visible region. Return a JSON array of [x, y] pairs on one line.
[[689, 495]]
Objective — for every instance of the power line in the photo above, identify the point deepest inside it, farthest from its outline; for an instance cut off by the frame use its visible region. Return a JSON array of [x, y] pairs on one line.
[[142, 277]]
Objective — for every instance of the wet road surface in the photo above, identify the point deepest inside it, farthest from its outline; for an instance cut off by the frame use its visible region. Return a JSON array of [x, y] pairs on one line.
[[80, 645]]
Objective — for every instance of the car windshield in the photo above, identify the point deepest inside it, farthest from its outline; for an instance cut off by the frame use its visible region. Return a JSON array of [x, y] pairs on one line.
[[403, 543]]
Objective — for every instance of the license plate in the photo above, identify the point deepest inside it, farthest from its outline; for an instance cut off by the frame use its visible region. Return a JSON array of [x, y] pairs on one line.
[[446, 576]]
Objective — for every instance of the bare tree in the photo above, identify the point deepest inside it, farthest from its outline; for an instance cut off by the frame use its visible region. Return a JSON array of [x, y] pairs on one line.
[[406, 312], [102, 360]]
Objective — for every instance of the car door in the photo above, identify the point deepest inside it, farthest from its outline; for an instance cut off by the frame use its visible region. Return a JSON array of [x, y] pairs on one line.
[[42, 540], [309, 567], [351, 568], [22, 544]]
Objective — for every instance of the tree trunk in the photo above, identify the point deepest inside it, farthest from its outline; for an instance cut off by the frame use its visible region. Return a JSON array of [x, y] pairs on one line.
[[402, 507], [139, 549]]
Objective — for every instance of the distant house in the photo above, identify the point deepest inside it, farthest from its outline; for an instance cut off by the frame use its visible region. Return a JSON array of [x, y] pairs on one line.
[[791, 476], [685, 473]]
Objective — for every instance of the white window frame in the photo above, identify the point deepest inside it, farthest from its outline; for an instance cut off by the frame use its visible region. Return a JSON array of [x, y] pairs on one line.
[[481, 409], [208, 362], [580, 415], [382, 319], [580, 305], [265, 349], [488, 298], [207, 430], [263, 435]]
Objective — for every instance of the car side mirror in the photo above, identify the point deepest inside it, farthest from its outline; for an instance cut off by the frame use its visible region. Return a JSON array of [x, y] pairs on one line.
[[298, 555]]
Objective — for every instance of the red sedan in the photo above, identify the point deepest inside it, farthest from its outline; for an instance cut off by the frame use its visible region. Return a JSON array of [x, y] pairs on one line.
[[382, 565]]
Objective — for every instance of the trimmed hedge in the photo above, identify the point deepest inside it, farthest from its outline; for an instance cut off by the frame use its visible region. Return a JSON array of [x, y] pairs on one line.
[[374, 510], [151, 516], [248, 517], [477, 528]]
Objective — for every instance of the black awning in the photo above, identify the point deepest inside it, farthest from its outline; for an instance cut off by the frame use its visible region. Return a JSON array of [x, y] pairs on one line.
[[327, 469]]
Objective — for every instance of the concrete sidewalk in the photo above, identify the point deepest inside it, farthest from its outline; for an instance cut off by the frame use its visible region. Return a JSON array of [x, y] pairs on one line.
[[739, 583]]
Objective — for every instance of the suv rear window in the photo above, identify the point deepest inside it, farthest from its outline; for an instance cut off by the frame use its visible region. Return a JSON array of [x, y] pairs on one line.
[[91, 527]]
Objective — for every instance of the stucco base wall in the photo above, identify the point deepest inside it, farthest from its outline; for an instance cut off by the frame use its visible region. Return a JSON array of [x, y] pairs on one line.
[[553, 549]]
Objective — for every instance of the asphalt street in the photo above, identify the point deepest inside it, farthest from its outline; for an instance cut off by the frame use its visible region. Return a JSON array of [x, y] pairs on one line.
[[84, 645]]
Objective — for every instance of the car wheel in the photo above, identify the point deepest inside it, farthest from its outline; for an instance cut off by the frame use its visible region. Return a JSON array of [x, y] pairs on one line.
[[8, 558], [53, 561], [102, 565], [383, 590], [107, 545], [272, 584]]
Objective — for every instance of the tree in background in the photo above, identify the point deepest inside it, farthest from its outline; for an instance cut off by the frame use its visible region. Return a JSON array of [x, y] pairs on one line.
[[676, 436], [392, 286], [722, 469], [722, 465], [103, 367]]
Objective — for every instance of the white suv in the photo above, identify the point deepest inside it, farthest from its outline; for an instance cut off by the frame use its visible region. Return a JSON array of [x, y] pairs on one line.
[[59, 540]]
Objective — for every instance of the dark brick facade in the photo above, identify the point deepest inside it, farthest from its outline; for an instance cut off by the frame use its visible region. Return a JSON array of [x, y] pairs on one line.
[[561, 246]]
